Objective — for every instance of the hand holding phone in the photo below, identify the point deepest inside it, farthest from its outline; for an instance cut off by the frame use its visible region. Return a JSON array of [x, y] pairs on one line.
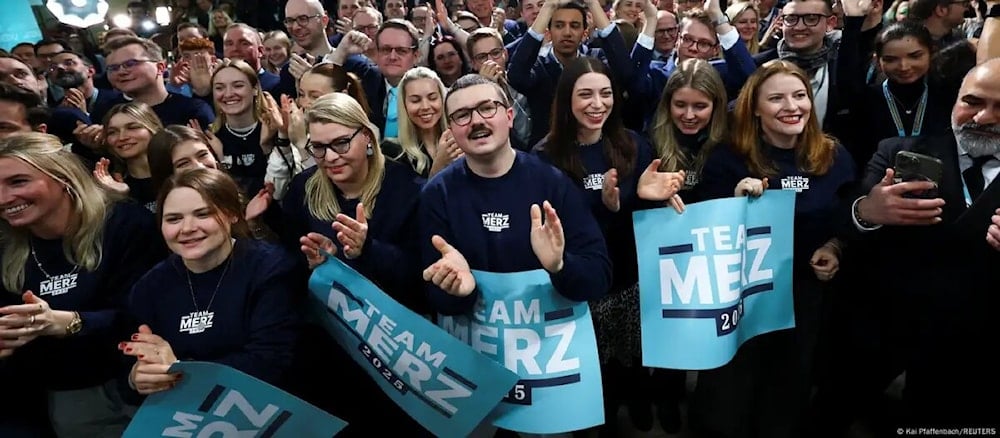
[[912, 166]]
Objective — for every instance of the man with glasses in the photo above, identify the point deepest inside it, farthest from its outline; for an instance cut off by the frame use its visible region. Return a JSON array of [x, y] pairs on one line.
[[306, 21], [501, 210], [135, 68], [367, 21], [942, 18], [664, 35], [396, 53], [489, 58], [806, 42], [701, 34]]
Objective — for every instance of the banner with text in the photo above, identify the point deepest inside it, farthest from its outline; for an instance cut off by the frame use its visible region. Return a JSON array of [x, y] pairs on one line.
[[713, 277], [440, 382], [18, 25], [215, 399], [548, 340]]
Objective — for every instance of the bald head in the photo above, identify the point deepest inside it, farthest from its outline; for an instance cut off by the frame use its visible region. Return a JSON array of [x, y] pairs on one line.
[[975, 118], [306, 22]]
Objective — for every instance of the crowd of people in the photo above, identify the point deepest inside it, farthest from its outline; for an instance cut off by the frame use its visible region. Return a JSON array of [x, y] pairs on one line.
[[247, 145]]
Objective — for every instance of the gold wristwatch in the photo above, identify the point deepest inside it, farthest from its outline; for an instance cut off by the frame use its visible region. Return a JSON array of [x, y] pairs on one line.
[[75, 325]]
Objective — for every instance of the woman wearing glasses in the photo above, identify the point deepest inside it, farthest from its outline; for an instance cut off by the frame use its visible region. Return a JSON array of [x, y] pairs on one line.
[[127, 130], [360, 208], [424, 141], [70, 253], [615, 171]]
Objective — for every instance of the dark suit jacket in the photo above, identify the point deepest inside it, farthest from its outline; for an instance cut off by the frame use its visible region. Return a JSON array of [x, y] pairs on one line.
[[945, 281], [536, 77]]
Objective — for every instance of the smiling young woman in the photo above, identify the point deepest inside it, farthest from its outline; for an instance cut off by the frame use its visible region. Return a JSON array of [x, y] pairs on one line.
[[70, 253], [221, 296], [127, 130]]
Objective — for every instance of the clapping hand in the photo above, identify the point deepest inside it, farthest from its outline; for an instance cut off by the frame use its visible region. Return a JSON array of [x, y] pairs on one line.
[[154, 356], [661, 186], [352, 232], [451, 272], [547, 239], [610, 193], [112, 182]]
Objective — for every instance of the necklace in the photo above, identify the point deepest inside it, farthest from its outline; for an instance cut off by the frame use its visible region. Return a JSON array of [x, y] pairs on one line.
[[201, 320], [907, 110], [54, 285], [242, 133]]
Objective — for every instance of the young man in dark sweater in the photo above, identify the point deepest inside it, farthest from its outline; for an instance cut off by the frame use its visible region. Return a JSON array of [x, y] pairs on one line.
[[496, 210]]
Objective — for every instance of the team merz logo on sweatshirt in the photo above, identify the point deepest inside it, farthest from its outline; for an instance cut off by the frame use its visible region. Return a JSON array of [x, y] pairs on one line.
[[594, 181], [496, 222], [57, 285], [196, 322], [796, 183]]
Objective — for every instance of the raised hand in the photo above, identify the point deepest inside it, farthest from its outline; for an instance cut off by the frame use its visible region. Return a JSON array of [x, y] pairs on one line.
[[272, 122], [91, 136], [885, 204], [498, 19], [343, 25], [180, 74], [491, 70], [451, 272], [547, 239], [610, 193], [298, 65], [213, 141], [74, 99], [357, 42], [352, 233], [654, 185], [294, 120], [317, 248], [260, 202], [114, 182], [201, 74]]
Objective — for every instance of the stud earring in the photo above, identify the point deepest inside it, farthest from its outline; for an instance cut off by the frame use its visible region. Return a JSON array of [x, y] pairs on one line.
[[370, 151]]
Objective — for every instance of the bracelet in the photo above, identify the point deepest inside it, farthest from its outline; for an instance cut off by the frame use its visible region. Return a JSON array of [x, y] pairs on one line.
[[282, 142], [856, 211]]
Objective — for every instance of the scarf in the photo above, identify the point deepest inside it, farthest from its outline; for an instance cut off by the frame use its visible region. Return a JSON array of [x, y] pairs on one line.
[[813, 61]]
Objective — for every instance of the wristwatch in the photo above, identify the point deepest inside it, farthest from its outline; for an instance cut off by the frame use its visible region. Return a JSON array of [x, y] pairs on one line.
[[75, 325]]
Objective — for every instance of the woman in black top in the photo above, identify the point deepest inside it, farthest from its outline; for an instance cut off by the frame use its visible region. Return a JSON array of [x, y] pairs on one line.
[[128, 128]]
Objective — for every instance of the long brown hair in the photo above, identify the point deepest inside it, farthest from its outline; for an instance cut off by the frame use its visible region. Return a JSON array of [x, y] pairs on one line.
[[217, 189], [814, 150], [699, 75], [161, 150], [561, 144]]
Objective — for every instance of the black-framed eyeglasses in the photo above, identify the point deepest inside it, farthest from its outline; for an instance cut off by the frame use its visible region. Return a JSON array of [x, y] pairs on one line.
[[340, 146], [486, 109], [128, 65], [301, 20], [666, 31], [811, 20], [702, 45], [366, 28], [401, 51], [492, 54]]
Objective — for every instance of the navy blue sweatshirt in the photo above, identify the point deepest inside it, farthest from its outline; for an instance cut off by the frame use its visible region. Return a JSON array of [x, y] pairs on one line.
[[389, 257], [616, 226], [175, 110], [488, 220], [131, 245], [253, 326], [244, 159], [818, 204], [142, 191]]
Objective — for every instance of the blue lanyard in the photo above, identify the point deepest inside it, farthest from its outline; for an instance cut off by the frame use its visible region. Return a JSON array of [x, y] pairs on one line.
[[918, 121]]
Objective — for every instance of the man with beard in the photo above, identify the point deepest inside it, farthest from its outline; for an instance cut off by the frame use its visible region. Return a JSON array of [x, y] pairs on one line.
[[932, 275], [60, 121], [75, 75]]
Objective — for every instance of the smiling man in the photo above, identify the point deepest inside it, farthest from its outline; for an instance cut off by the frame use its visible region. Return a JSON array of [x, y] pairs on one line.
[[486, 210]]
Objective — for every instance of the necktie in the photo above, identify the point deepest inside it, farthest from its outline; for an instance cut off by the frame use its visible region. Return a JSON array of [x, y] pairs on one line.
[[974, 179], [391, 114]]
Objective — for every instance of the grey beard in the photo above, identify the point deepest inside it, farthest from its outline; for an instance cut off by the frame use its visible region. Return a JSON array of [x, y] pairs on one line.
[[976, 144]]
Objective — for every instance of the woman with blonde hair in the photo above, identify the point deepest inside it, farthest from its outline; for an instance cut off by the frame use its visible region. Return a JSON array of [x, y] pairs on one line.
[[247, 123], [777, 143], [360, 208], [424, 141], [127, 130], [277, 48], [70, 253], [746, 19], [689, 121]]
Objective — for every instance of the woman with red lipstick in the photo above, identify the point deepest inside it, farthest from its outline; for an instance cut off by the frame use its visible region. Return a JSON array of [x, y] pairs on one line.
[[908, 102], [221, 296], [424, 142], [777, 143], [128, 128], [69, 254], [615, 170], [360, 208]]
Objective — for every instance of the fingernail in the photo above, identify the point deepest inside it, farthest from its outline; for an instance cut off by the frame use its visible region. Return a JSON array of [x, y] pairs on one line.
[[141, 356], [135, 337], [128, 350], [121, 345]]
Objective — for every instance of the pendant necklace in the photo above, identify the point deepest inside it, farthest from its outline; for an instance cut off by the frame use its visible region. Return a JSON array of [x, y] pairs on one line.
[[201, 320]]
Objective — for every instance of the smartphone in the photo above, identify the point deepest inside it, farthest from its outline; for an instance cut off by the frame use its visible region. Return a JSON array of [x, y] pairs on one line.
[[912, 166]]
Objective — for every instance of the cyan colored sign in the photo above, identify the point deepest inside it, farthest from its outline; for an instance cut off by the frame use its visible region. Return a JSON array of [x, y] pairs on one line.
[[713, 277], [522, 322], [440, 382], [18, 25], [215, 400]]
